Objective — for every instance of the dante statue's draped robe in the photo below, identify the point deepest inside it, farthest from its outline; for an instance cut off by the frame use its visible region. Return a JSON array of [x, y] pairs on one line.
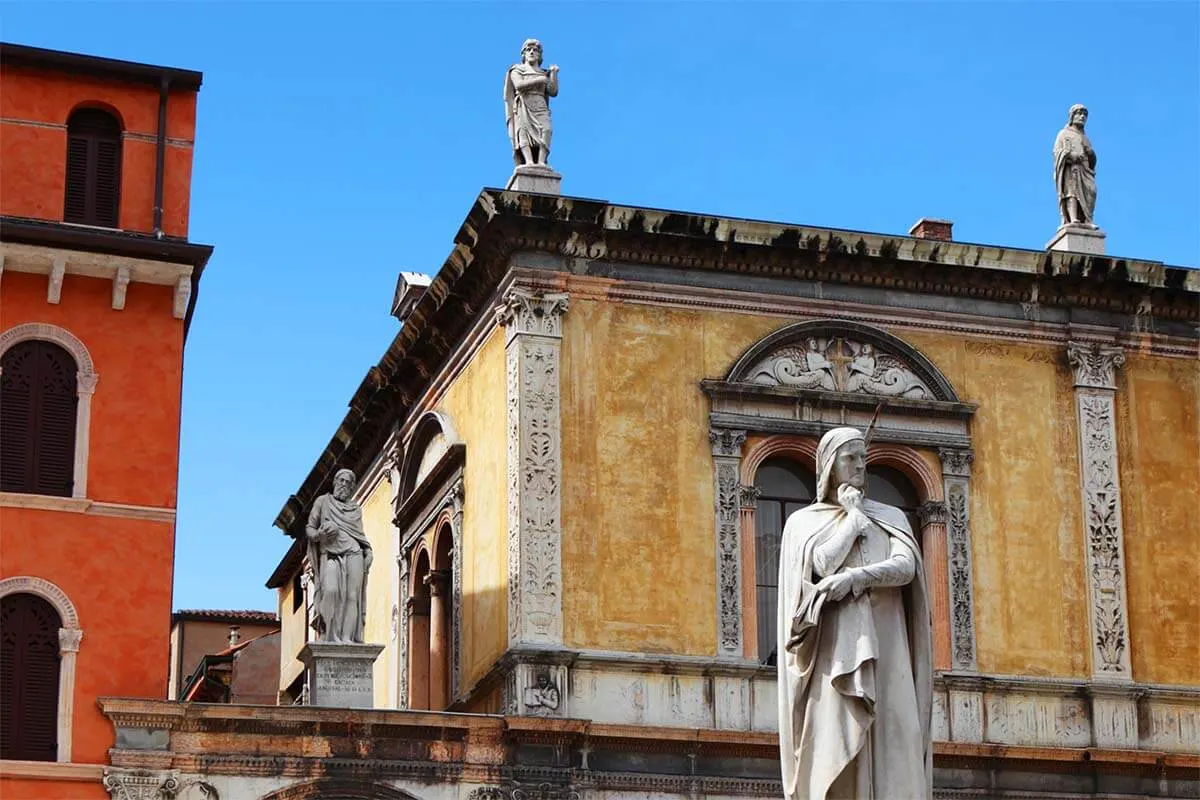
[[855, 675], [339, 569], [1075, 174], [527, 109]]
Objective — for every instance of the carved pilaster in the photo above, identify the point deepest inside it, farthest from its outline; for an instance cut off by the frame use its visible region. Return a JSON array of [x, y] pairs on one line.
[[456, 527], [1094, 369], [748, 497], [932, 512], [727, 456], [403, 654], [534, 337], [956, 479]]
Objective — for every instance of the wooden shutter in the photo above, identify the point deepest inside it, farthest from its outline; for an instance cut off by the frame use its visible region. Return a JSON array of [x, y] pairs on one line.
[[93, 191], [29, 667], [38, 404]]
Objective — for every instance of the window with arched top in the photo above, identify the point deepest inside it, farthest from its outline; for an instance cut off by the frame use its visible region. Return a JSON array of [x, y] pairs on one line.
[[29, 678], [784, 486], [93, 185], [38, 407], [892, 487]]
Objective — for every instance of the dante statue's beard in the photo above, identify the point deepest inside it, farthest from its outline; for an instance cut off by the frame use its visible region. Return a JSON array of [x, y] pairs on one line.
[[342, 494]]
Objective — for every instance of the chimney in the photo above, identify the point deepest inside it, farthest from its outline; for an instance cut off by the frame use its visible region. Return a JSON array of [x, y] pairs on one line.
[[929, 228], [235, 635]]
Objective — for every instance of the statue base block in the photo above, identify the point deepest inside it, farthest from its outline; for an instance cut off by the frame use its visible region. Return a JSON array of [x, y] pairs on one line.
[[1074, 238], [535, 178], [341, 675]]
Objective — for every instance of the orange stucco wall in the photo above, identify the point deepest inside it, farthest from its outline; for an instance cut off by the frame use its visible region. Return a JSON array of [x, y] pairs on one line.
[[26, 789], [117, 573], [35, 105], [138, 355]]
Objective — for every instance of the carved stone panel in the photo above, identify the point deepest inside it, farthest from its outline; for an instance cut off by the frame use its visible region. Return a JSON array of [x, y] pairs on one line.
[[839, 363], [534, 465], [730, 494], [956, 469], [456, 525]]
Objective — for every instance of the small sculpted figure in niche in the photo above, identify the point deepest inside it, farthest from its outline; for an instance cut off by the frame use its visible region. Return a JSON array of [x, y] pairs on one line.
[[340, 555], [527, 92], [544, 695], [855, 656], [1075, 171]]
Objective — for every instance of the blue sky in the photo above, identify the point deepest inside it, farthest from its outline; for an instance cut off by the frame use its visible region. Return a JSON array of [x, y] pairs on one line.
[[340, 144]]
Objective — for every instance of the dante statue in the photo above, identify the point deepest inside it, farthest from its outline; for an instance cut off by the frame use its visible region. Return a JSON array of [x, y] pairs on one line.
[[527, 92], [340, 555], [1075, 171], [855, 672]]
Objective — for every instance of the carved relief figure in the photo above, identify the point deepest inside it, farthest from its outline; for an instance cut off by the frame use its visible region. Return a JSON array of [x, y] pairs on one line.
[[839, 364], [527, 92], [855, 676], [543, 695], [340, 555], [867, 374], [1075, 171], [807, 370]]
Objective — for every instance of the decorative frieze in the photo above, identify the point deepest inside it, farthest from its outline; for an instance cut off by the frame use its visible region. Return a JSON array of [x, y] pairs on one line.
[[534, 337], [956, 472], [1094, 369], [843, 364], [141, 784]]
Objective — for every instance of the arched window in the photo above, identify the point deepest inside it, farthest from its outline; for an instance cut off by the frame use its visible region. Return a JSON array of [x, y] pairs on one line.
[[891, 486], [29, 678], [418, 633], [785, 486], [93, 191], [38, 406]]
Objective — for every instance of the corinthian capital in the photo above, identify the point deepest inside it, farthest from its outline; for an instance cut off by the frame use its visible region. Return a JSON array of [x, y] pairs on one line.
[[537, 313], [1095, 365]]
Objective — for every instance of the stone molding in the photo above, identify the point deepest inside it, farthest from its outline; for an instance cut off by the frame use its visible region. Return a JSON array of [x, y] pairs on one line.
[[1094, 365], [82, 505], [51, 771], [85, 385], [69, 637], [730, 496], [533, 323], [1100, 490]]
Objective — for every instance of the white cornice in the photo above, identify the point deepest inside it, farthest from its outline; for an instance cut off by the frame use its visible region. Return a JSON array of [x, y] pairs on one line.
[[57, 263], [83, 505]]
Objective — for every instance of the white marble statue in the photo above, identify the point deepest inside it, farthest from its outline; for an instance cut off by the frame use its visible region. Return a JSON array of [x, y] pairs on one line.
[[527, 92], [1075, 171], [855, 674], [340, 555]]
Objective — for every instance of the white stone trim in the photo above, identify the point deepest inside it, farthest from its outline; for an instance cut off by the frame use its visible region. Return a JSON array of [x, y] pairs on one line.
[[85, 386], [183, 294], [69, 636], [533, 323], [1094, 369], [120, 285], [82, 505], [51, 770]]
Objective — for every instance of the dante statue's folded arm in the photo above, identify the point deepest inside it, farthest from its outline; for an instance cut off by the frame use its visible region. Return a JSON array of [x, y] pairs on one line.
[[313, 529], [898, 569], [829, 554]]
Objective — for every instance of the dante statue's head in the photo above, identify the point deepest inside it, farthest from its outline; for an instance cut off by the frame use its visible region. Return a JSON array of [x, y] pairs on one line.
[[841, 458], [531, 52], [343, 484], [1078, 115]]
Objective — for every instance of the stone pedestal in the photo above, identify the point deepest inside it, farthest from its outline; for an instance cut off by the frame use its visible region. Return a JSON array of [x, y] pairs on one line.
[[341, 675], [535, 178], [1073, 238]]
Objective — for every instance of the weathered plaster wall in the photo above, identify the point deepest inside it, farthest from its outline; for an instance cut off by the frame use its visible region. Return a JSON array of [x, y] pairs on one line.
[[1158, 433], [1026, 532], [475, 403], [635, 427], [381, 587]]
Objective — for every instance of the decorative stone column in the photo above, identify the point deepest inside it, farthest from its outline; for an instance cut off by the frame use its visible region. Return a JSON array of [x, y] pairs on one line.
[[402, 656], [533, 343], [727, 456], [956, 480], [933, 547], [141, 784], [748, 509], [456, 528], [1100, 488], [436, 580], [68, 648]]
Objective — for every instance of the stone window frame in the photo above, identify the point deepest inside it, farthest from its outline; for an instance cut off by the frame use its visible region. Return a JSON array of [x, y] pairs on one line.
[[793, 419], [69, 637], [85, 387], [431, 505]]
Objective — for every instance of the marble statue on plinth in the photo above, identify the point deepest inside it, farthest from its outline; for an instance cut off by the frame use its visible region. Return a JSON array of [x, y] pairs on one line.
[[340, 555], [527, 92], [855, 672], [1075, 181]]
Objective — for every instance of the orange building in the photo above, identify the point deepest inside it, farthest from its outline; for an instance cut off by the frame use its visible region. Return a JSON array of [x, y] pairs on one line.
[[97, 287]]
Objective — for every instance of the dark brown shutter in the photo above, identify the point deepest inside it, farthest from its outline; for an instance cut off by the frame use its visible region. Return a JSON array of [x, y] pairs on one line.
[[93, 191], [38, 404], [29, 666]]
